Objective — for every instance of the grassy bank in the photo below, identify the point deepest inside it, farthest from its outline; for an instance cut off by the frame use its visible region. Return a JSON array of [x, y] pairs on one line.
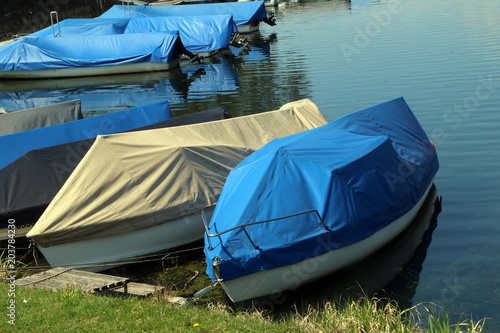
[[38, 310]]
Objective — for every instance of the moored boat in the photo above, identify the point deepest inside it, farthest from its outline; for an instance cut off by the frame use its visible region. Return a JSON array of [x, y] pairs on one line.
[[308, 205], [34, 179], [204, 35], [247, 15], [138, 193], [15, 145], [49, 57]]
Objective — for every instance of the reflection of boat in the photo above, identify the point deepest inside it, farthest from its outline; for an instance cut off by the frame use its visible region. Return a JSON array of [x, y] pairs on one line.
[[17, 144], [49, 57], [247, 15], [34, 178], [203, 34], [28, 119], [305, 206], [138, 193], [114, 92]]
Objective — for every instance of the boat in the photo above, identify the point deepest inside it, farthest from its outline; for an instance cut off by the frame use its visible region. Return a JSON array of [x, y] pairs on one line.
[[12, 89], [15, 145], [139, 193], [310, 204], [247, 15], [32, 118], [205, 35], [32, 180], [76, 56]]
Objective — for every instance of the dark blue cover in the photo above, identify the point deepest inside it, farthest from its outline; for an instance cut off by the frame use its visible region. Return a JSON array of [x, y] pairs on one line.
[[360, 173], [242, 12], [198, 33], [15, 145], [41, 53]]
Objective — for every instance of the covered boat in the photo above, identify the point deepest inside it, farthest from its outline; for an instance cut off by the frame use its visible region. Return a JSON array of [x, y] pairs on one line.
[[15, 145], [49, 57], [310, 204], [138, 193], [47, 115], [246, 14], [31, 181], [203, 35]]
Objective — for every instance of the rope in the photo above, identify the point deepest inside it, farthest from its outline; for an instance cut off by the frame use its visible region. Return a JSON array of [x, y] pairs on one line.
[[196, 273], [135, 260]]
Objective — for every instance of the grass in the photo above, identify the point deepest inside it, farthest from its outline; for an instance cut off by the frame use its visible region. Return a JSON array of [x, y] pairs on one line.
[[39, 310]]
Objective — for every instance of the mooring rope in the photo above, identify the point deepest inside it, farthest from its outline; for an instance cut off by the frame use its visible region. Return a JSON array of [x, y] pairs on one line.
[[120, 262]]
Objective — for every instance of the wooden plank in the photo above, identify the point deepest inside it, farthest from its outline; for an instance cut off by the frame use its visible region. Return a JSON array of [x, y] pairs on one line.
[[139, 289], [40, 277], [96, 281], [63, 278]]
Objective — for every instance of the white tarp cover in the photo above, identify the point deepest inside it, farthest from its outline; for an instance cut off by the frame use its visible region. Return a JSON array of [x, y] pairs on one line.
[[133, 181]]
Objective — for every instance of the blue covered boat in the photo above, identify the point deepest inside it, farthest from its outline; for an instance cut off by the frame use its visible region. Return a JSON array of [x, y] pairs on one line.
[[312, 203], [199, 34], [49, 57], [247, 14], [15, 145]]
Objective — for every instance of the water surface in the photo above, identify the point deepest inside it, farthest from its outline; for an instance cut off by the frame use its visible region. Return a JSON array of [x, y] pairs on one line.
[[442, 57]]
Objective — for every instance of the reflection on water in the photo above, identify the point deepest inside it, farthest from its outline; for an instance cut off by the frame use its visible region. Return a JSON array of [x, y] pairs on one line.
[[116, 92]]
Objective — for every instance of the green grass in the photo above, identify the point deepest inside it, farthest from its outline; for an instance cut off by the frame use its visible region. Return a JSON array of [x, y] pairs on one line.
[[39, 310]]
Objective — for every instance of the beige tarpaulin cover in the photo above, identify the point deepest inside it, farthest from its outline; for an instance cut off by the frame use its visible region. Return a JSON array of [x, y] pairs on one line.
[[136, 180]]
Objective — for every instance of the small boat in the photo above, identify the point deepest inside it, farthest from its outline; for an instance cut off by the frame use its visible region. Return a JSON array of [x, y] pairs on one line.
[[310, 204], [247, 15], [32, 181], [42, 116], [204, 35], [138, 193], [49, 57]]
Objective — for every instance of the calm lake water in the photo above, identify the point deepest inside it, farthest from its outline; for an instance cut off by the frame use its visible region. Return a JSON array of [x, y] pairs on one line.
[[443, 57]]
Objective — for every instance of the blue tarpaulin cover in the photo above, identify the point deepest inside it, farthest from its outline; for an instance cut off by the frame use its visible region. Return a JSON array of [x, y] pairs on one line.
[[360, 173], [242, 12], [84, 27], [198, 33], [87, 51], [15, 145]]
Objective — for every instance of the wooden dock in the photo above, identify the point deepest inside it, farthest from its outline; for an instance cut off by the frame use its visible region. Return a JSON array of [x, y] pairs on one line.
[[68, 278]]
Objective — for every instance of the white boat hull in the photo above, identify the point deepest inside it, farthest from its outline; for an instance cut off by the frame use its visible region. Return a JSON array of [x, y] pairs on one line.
[[102, 253], [89, 71], [276, 281], [248, 28]]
